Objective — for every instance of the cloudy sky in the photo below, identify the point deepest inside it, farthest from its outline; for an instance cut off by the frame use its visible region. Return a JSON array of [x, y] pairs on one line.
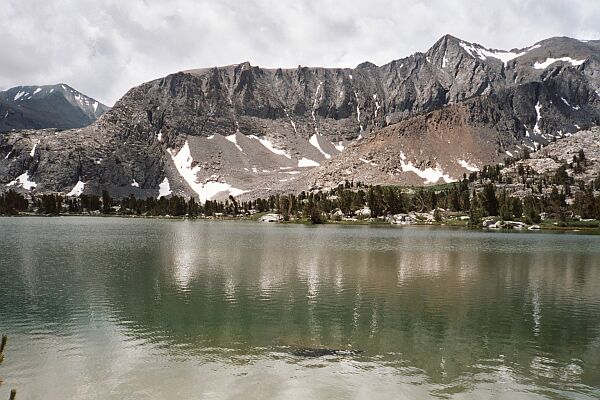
[[104, 47]]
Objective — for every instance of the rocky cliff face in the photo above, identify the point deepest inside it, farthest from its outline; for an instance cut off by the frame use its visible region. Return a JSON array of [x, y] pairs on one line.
[[38, 107], [249, 131]]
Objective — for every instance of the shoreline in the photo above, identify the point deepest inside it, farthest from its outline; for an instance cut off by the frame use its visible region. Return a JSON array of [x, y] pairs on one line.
[[550, 226]]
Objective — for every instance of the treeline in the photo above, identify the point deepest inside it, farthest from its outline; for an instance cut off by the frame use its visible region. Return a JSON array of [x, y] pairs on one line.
[[479, 195]]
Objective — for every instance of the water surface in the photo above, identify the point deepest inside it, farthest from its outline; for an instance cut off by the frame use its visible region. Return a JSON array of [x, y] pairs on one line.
[[100, 308]]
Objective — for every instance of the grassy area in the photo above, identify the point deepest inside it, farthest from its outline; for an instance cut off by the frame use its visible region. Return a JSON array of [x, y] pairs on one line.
[[570, 225]]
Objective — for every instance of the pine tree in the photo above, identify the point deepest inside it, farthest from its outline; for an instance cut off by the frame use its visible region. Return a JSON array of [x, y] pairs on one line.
[[490, 202], [475, 211]]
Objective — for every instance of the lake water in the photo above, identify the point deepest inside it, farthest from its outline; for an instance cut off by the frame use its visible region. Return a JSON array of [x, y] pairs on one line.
[[107, 308]]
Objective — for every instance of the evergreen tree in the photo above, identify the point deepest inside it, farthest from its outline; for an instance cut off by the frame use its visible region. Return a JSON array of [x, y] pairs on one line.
[[490, 202], [475, 211]]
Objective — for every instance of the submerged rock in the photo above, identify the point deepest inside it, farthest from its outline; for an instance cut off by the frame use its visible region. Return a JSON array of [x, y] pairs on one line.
[[314, 352]]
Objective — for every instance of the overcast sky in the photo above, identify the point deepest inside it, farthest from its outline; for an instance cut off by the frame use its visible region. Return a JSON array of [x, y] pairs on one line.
[[104, 47]]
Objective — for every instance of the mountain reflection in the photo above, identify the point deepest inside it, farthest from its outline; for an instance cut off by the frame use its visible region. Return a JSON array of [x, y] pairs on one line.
[[445, 304]]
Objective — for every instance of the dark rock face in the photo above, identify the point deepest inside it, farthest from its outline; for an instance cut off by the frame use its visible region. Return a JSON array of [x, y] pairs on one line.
[[219, 131], [42, 107]]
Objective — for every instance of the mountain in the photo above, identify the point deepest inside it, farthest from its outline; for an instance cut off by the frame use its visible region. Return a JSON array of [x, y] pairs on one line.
[[55, 106], [250, 131]]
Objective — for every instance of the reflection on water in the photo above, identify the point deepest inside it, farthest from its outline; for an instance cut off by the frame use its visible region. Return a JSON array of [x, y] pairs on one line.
[[119, 308]]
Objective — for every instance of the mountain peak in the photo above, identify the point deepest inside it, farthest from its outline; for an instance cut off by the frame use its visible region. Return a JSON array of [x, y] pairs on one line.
[[366, 65], [48, 106]]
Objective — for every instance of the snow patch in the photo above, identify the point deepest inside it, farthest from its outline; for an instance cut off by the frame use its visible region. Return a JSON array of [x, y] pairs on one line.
[[184, 163], [291, 121], [233, 140], [483, 53], [550, 61], [445, 59], [135, 184], [19, 95], [368, 162], [339, 147], [538, 110], [430, 175], [305, 162], [32, 153], [508, 153], [211, 189], [468, 166], [77, 189], [95, 105], [164, 189], [36, 91], [377, 105], [267, 143], [24, 181], [314, 140], [358, 110]]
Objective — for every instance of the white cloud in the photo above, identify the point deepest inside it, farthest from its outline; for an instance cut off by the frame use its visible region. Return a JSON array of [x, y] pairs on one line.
[[104, 47]]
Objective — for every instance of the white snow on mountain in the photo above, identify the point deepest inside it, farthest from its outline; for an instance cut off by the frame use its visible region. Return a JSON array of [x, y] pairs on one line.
[[538, 110], [305, 163], [164, 188], [32, 153], [233, 140], [502, 55], [24, 181], [267, 143], [468, 166], [550, 61], [314, 140], [184, 163], [19, 95], [430, 175], [77, 189]]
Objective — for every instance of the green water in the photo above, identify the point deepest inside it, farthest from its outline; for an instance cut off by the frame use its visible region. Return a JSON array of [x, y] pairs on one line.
[[106, 308]]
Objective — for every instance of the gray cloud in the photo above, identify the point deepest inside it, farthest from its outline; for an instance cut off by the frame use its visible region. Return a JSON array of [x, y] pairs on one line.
[[104, 47]]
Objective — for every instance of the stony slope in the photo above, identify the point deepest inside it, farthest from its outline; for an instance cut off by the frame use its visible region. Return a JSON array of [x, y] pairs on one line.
[[54, 106], [245, 130], [443, 145]]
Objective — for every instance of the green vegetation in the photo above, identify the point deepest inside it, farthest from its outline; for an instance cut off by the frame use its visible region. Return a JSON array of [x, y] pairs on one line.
[[480, 195]]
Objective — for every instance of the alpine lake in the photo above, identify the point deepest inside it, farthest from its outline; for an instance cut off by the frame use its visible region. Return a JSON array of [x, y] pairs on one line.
[[117, 308]]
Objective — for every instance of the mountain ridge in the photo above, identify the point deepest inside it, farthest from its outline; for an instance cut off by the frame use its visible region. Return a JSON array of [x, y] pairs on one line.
[[250, 131], [47, 106]]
